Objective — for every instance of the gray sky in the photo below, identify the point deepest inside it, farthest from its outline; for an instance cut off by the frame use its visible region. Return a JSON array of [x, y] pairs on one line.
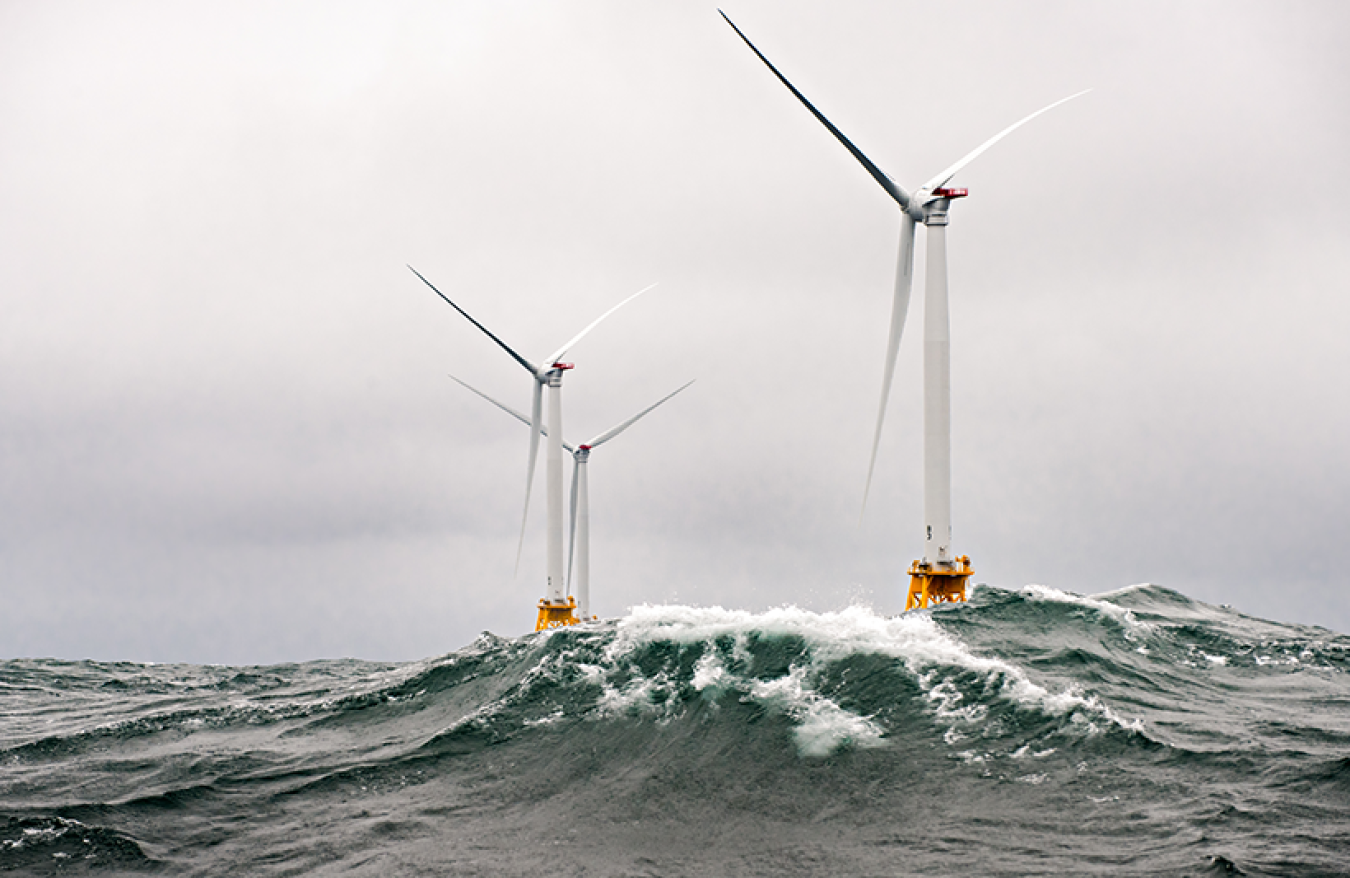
[[226, 434]]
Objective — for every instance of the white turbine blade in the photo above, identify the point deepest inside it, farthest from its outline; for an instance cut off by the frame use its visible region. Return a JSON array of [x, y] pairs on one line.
[[504, 346], [580, 335], [501, 405], [572, 516], [535, 428], [942, 178], [543, 428], [614, 431], [892, 188], [904, 277]]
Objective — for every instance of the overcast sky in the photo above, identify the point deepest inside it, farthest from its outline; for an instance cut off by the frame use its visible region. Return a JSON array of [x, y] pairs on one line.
[[226, 430]]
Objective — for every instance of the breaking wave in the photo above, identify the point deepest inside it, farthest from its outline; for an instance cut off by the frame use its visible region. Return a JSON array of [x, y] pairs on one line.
[[689, 740]]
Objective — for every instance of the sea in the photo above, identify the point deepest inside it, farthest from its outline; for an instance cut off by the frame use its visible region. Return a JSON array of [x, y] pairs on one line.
[[1029, 731]]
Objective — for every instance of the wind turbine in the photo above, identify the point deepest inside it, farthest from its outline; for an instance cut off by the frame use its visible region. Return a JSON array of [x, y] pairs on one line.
[[580, 538], [554, 608], [939, 576]]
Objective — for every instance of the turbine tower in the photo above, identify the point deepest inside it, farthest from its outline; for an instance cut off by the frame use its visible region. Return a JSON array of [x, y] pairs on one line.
[[555, 609], [579, 555], [940, 576]]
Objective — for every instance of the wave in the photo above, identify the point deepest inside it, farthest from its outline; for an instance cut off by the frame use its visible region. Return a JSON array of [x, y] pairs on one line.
[[1108, 700]]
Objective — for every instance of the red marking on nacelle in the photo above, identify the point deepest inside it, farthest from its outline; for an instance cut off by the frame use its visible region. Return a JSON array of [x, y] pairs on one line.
[[564, 366], [951, 193], [583, 448]]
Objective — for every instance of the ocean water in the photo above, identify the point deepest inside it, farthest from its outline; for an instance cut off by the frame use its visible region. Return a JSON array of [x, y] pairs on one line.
[[1029, 732]]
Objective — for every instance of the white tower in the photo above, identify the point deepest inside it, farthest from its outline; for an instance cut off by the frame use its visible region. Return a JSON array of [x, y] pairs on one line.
[[939, 576]]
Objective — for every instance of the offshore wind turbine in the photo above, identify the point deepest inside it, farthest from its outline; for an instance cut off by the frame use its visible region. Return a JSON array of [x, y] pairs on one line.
[[554, 608], [579, 549], [940, 576]]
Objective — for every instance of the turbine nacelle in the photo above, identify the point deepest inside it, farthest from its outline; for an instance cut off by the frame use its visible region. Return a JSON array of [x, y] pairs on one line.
[[926, 198], [552, 375]]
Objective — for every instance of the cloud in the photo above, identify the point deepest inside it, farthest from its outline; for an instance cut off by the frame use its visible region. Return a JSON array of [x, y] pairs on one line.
[[226, 433]]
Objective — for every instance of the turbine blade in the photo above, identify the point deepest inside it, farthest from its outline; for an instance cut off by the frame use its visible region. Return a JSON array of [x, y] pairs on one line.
[[543, 428], [557, 355], [614, 431], [572, 536], [535, 429], [501, 405], [942, 178], [504, 346], [892, 188], [904, 277]]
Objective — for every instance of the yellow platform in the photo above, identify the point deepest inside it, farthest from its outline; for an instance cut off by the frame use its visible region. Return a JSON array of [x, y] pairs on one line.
[[556, 615], [937, 585]]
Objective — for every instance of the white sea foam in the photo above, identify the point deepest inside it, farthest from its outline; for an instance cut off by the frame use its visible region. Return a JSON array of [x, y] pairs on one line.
[[1124, 589], [551, 719], [915, 640], [822, 725], [1125, 617], [41, 835], [710, 675], [1025, 752]]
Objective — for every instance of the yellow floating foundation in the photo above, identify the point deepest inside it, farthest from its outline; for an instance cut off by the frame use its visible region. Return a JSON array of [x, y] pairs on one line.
[[937, 585], [556, 615]]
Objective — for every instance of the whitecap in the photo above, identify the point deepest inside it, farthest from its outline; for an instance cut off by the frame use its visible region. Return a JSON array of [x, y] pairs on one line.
[[918, 642], [1121, 615]]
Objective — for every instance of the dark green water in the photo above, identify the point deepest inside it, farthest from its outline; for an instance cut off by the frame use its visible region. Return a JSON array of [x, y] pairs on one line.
[[1029, 732]]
